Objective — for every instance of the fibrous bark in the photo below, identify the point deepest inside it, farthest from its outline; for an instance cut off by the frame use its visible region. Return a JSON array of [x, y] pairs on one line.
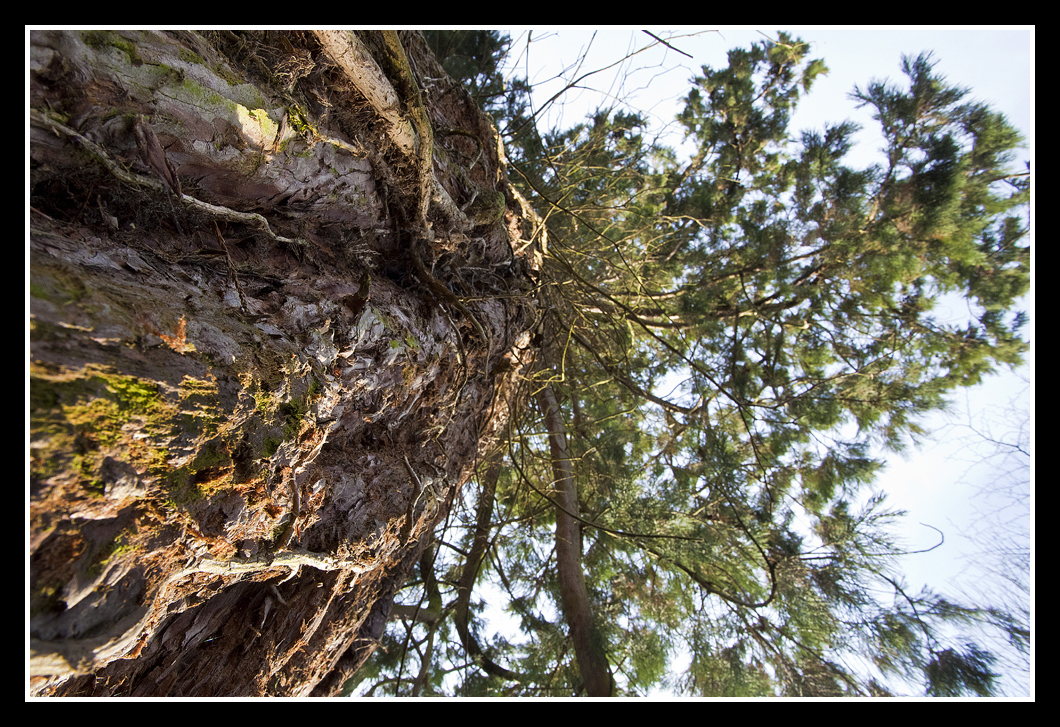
[[247, 413]]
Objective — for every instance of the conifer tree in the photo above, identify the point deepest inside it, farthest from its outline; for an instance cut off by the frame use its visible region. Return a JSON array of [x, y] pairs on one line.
[[730, 343]]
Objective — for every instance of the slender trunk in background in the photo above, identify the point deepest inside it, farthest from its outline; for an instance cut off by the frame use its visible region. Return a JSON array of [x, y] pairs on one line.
[[592, 659]]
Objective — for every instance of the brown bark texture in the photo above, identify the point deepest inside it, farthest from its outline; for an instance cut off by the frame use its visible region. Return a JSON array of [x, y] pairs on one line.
[[251, 397]]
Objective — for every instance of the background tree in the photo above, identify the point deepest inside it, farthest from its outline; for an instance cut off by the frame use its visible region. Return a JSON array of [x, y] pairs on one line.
[[996, 445]]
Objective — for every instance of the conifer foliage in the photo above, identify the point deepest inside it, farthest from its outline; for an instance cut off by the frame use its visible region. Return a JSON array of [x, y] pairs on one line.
[[732, 341]]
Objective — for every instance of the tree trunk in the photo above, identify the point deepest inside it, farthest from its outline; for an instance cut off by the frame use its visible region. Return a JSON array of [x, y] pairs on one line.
[[253, 392], [574, 595]]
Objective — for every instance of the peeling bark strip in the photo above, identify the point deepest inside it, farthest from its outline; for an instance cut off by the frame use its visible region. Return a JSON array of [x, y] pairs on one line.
[[238, 454], [357, 63], [76, 656], [154, 156], [592, 660]]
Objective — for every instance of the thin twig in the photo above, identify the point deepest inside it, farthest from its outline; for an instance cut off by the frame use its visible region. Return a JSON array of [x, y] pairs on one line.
[[665, 43]]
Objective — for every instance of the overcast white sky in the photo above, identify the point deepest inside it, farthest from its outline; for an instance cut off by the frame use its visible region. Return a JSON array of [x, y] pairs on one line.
[[934, 484]]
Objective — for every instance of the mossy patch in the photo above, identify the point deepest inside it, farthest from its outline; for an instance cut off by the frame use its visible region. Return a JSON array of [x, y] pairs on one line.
[[76, 416], [192, 57], [57, 287], [102, 39], [208, 474], [92, 400], [270, 445], [122, 545], [291, 413]]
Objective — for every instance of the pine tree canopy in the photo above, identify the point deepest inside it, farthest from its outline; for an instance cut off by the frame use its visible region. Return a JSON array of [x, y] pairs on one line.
[[734, 337]]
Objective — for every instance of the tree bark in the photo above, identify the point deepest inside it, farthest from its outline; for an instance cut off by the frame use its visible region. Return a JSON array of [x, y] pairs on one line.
[[247, 415]]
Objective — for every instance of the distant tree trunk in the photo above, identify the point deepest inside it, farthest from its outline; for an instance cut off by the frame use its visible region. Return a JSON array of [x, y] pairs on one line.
[[251, 397], [574, 595]]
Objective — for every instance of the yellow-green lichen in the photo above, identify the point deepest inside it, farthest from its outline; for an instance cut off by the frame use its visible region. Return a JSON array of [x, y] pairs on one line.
[[298, 121], [200, 95], [266, 126]]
